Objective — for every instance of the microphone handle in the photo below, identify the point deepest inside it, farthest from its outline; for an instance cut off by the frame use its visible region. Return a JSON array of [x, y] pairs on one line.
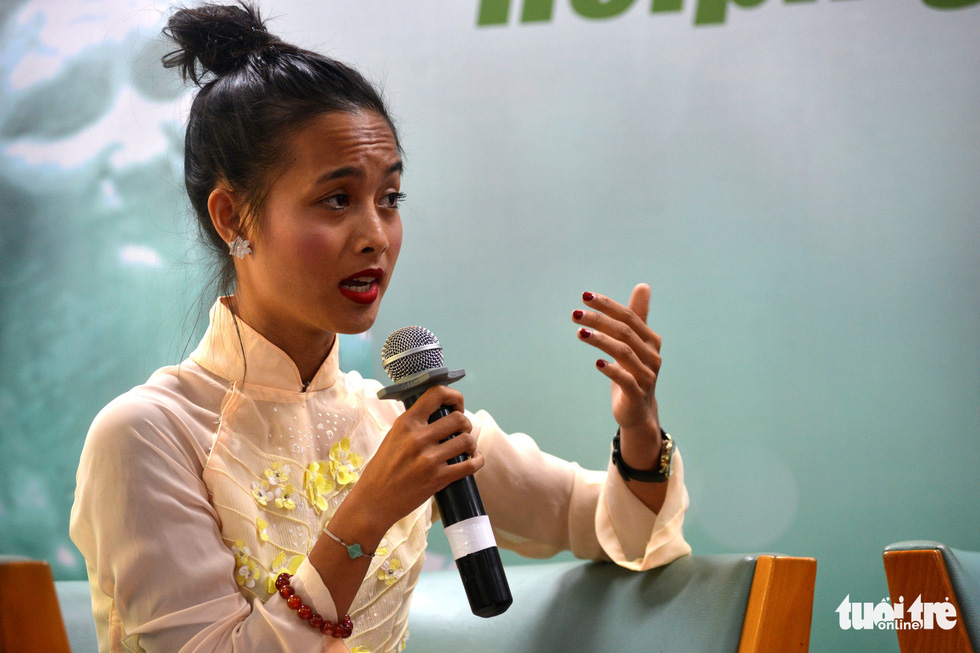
[[471, 539]]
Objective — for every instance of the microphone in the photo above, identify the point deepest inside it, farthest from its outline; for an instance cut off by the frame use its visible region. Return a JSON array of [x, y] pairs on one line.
[[412, 357]]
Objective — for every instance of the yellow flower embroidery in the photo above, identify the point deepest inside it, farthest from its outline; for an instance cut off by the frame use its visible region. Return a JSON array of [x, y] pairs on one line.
[[404, 642], [261, 492], [359, 649], [317, 484], [241, 551], [286, 497], [280, 565], [344, 463], [279, 560], [246, 572], [261, 525], [277, 474], [390, 571]]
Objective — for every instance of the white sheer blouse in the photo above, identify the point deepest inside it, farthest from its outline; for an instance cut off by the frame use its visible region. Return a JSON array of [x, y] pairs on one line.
[[196, 489]]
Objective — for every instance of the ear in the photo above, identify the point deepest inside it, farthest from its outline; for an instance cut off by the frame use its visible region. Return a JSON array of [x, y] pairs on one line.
[[223, 207]]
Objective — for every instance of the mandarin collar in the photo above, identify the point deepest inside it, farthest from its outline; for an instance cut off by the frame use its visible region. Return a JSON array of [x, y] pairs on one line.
[[221, 353]]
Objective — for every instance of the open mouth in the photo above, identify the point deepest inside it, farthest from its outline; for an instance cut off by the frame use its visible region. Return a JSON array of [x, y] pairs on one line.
[[362, 287]]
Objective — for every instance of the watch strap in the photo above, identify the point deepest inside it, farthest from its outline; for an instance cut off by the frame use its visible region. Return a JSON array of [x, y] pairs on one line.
[[659, 475]]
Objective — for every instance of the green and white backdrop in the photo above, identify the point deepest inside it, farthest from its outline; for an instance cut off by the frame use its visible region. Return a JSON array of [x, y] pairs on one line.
[[796, 179]]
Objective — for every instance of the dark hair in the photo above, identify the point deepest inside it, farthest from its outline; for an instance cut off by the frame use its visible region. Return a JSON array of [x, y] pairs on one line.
[[255, 90]]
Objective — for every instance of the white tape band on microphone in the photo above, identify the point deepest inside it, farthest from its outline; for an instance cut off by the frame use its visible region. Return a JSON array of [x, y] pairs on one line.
[[469, 536]]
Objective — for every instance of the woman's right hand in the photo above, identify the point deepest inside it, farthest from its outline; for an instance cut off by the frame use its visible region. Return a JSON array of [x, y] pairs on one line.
[[407, 469], [410, 465]]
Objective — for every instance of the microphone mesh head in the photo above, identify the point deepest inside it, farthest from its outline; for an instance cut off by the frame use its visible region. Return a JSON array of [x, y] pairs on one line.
[[404, 340]]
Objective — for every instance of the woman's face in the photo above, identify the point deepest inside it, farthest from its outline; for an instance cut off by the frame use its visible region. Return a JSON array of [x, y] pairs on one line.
[[329, 234]]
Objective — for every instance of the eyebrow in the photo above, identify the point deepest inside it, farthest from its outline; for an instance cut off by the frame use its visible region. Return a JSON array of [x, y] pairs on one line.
[[352, 171]]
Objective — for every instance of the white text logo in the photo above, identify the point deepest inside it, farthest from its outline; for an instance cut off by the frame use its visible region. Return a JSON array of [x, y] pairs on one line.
[[889, 616]]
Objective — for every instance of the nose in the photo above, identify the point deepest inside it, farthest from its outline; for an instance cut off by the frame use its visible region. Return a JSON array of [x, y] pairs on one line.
[[372, 236]]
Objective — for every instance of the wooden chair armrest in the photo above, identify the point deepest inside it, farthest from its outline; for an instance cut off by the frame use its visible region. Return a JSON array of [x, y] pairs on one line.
[[780, 608], [30, 619], [912, 574]]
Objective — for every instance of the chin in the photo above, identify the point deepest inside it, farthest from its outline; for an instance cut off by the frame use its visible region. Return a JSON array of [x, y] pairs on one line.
[[357, 325], [344, 316]]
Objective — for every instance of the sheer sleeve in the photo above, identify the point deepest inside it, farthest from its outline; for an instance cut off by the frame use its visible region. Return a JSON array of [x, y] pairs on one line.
[[162, 579], [539, 505]]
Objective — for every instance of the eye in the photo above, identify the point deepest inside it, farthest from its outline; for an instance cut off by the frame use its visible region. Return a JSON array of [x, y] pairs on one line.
[[393, 200], [337, 201]]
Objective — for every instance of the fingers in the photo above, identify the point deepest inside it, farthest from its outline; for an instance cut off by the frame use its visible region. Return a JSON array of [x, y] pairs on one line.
[[640, 301], [456, 423], [450, 473], [463, 444], [643, 374], [614, 332], [410, 464], [453, 459], [436, 397], [619, 341], [623, 334], [636, 321], [445, 427], [624, 379]]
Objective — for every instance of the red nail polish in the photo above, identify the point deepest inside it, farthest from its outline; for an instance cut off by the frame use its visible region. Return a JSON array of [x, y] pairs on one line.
[[600, 363], [585, 333], [577, 314], [587, 296]]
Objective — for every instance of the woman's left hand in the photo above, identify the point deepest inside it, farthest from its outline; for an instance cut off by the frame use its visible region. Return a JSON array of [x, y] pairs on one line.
[[622, 333]]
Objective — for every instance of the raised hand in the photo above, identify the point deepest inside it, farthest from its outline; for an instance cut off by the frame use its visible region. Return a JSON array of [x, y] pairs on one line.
[[621, 332]]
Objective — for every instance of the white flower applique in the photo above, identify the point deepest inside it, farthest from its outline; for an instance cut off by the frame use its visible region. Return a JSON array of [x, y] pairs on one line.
[[262, 493], [391, 568], [277, 474], [286, 496]]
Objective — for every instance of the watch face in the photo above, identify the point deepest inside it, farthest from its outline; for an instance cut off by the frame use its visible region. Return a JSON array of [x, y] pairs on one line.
[[667, 458]]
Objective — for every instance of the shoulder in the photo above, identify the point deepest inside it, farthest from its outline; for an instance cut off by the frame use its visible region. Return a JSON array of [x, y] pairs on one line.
[[141, 472], [173, 415]]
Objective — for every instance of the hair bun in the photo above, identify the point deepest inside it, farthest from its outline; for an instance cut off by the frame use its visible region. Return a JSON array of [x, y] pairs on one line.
[[215, 38]]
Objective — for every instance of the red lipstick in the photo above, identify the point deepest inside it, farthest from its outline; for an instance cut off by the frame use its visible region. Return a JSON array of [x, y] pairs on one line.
[[362, 287]]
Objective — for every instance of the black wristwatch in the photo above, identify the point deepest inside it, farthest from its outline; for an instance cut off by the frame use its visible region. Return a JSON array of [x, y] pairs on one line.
[[659, 475]]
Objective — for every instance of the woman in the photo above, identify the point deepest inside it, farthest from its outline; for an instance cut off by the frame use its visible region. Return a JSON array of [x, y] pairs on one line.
[[258, 457]]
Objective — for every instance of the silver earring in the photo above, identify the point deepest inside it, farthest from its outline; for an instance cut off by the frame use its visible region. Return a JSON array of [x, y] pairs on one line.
[[239, 247]]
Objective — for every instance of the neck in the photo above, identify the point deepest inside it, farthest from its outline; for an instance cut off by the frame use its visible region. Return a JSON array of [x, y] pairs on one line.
[[307, 348]]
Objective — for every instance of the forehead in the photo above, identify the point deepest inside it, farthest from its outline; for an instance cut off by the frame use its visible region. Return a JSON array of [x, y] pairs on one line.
[[337, 139]]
